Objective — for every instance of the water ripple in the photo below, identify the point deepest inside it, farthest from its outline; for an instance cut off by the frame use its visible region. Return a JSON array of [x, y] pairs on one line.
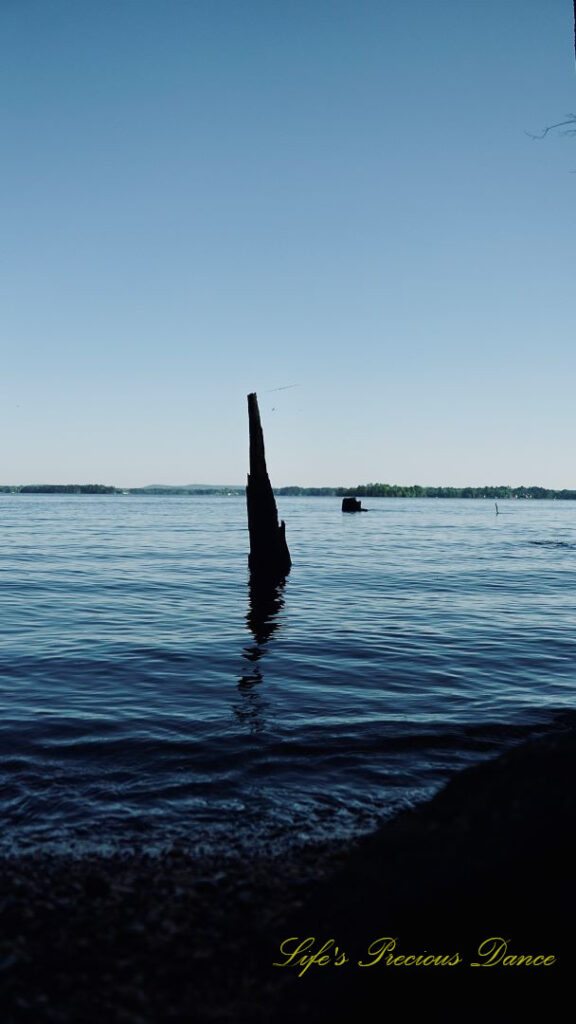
[[142, 699]]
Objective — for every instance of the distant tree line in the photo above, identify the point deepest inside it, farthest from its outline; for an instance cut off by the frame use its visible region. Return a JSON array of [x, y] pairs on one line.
[[416, 491], [60, 489], [362, 491]]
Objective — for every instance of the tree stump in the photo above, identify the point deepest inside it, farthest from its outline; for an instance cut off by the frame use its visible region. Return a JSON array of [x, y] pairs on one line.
[[269, 558], [352, 505]]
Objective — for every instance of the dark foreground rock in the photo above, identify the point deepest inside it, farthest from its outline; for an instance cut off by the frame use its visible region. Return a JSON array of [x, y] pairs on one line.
[[482, 874], [170, 938]]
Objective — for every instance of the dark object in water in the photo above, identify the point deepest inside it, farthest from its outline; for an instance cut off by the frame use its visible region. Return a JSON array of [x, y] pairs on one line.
[[269, 558], [352, 505]]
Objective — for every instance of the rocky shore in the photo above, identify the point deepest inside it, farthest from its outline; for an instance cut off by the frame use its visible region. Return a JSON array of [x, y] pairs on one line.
[[142, 939]]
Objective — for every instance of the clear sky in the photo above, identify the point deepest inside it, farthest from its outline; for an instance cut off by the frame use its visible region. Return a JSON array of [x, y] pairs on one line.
[[202, 198]]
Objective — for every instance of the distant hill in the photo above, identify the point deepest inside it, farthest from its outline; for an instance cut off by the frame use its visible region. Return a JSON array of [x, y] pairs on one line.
[[188, 489], [191, 487]]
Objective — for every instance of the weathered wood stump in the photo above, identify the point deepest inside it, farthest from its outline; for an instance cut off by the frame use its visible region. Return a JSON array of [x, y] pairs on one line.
[[352, 505], [269, 559]]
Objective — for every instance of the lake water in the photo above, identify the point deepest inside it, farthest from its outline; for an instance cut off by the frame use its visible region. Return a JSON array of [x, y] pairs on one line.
[[142, 702]]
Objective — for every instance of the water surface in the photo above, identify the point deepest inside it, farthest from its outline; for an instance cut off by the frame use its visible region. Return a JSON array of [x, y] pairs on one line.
[[142, 702]]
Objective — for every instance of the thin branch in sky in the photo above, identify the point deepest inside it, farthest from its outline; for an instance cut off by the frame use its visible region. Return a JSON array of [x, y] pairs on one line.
[[570, 119]]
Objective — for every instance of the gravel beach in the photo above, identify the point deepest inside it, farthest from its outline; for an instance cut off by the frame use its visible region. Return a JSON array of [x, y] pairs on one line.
[[139, 938]]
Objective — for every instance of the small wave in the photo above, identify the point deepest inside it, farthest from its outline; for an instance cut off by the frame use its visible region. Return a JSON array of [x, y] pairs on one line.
[[569, 544]]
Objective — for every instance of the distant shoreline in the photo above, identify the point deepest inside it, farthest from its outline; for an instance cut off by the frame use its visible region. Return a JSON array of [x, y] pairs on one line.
[[501, 492]]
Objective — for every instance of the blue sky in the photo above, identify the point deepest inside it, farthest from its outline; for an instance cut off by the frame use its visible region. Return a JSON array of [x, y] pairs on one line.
[[202, 198]]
